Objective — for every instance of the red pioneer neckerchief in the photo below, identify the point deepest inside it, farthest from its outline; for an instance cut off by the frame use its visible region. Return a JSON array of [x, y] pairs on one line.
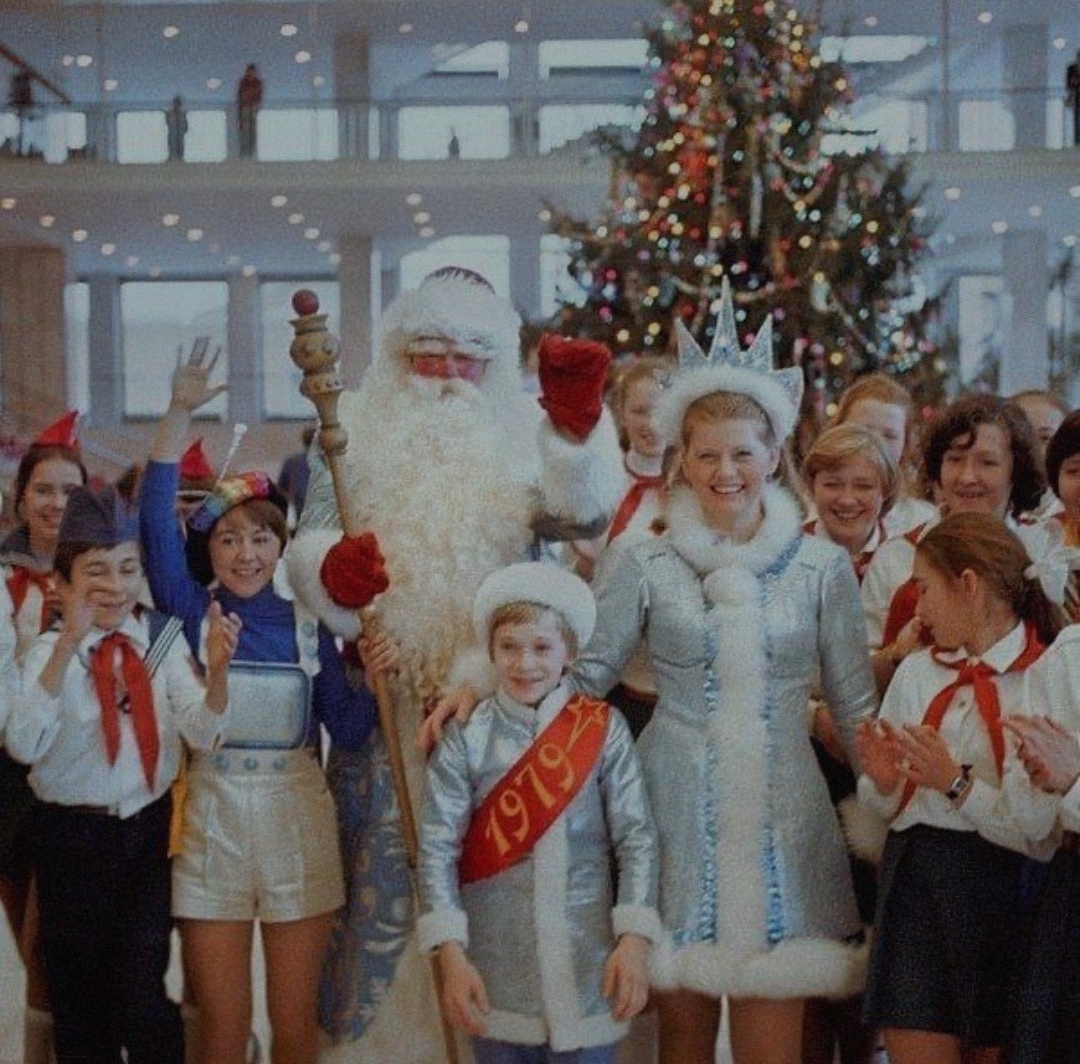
[[632, 502], [536, 789], [860, 561], [19, 583], [980, 676], [905, 599], [132, 670]]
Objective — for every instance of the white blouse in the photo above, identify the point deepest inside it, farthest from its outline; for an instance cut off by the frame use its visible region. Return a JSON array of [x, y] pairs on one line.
[[1010, 812]]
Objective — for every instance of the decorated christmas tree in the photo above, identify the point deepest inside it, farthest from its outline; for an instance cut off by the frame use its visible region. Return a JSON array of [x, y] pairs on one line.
[[731, 175]]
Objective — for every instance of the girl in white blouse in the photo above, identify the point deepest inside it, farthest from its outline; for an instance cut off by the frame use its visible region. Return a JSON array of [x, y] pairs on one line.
[[940, 767]]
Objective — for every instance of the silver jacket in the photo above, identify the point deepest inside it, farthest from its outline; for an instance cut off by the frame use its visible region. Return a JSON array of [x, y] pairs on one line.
[[755, 891], [540, 932]]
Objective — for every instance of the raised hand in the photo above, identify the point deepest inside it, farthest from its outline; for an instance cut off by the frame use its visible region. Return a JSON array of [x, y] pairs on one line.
[[354, 571], [191, 387], [77, 608], [221, 638], [572, 377]]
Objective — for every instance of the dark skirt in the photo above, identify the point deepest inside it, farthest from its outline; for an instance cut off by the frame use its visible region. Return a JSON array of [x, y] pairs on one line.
[[636, 706], [1047, 998], [947, 934], [17, 806]]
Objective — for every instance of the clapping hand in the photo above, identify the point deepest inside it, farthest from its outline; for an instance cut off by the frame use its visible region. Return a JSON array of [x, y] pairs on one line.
[[1050, 754], [926, 760], [876, 742], [191, 379], [221, 638]]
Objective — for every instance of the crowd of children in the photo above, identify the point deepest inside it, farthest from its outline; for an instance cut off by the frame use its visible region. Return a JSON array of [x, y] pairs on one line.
[[573, 870]]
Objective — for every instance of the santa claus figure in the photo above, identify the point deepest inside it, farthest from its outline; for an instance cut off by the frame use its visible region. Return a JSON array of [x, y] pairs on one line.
[[458, 472]]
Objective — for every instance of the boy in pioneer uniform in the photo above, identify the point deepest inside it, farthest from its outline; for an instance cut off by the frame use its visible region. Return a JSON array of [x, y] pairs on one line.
[[524, 805]]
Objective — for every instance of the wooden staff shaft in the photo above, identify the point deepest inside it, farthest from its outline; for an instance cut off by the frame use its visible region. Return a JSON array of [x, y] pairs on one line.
[[316, 353]]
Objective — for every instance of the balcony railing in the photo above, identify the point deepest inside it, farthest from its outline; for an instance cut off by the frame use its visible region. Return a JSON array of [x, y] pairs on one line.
[[482, 128]]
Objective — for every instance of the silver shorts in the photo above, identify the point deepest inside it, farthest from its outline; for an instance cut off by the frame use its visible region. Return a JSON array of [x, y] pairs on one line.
[[260, 839]]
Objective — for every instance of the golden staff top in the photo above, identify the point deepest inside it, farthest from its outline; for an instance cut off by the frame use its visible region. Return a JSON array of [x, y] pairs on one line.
[[315, 350]]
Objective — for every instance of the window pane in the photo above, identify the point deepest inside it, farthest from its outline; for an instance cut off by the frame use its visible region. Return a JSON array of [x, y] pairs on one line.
[[556, 284], [157, 316], [986, 125], [489, 256], [64, 131], [297, 134], [871, 48], [205, 139], [981, 324], [563, 57], [281, 379], [77, 328], [141, 137], [491, 57], [425, 132], [563, 122]]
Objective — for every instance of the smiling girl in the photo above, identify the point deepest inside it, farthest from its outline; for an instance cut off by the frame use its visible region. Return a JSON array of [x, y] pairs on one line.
[[961, 808], [981, 456], [259, 838], [49, 471]]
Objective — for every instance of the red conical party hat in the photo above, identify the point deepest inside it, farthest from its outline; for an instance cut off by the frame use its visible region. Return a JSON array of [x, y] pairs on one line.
[[61, 433], [194, 465]]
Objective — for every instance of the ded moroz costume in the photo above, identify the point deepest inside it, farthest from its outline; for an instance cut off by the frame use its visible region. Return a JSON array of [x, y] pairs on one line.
[[456, 478], [755, 892]]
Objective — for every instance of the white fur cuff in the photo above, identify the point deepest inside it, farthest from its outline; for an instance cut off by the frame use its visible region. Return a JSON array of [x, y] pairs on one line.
[[640, 920], [442, 925], [581, 482], [304, 560], [865, 830], [473, 667]]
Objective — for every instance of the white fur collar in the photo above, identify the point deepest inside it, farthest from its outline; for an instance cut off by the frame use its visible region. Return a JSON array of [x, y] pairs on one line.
[[706, 551]]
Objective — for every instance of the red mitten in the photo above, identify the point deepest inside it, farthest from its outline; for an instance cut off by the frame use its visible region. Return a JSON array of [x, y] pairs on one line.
[[572, 376], [354, 571]]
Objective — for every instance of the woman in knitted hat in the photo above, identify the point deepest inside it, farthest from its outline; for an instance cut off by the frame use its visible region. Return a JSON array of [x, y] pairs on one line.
[[259, 840]]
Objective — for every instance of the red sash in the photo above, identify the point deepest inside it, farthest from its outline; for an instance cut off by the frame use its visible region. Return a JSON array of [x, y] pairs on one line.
[[981, 678], [631, 503], [904, 600], [535, 790]]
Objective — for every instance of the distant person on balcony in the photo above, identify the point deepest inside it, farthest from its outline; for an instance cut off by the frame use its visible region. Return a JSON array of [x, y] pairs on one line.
[[177, 126], [453, 150], [1072, 95], [295, 473], [249, 94]]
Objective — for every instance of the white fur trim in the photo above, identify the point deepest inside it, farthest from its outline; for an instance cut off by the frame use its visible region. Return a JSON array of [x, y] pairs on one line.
[[558, 984], [706, 551], [304, 560], [543, 583], [581, 482], [691, 385], [480, 322], [472, 666], [797, 968], [865, 831], [641, 920], [442, 925]]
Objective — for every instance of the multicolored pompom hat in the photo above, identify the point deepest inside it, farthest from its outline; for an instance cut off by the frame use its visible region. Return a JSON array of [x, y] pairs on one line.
[[229, 492]]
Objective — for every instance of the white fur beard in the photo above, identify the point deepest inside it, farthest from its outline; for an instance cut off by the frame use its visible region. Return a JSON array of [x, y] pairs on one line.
[[449, 493]]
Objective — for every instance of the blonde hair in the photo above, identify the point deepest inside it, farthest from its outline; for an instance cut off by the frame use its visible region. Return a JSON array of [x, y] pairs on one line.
[[837, 446], [733, 406], [881, 389], [644, 368], [529, 613]]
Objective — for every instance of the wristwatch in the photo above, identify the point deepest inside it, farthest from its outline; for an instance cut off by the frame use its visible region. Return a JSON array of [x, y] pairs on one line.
[[960, 784]]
